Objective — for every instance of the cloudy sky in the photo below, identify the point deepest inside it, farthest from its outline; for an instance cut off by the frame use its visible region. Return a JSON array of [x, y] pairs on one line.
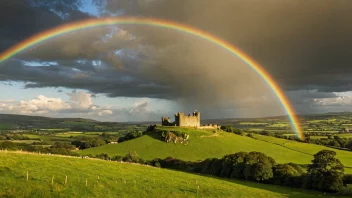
[[135, 73]]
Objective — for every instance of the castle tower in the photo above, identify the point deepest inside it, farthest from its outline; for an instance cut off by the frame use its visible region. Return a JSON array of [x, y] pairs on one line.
[[198, 117], [179, 119]]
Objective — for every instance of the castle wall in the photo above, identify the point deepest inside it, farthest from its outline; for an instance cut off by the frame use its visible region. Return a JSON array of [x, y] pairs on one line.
[[192, 120], [166, 122], [187, 120]]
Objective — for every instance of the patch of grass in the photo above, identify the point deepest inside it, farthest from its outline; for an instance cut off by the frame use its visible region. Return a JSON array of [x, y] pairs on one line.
[[31, 136], [318, 137], [23, 141], [68, 134], [5, 126], [119, 180], [53, 130], [256, 129], [253, 123], [345, 135], [279, 125]]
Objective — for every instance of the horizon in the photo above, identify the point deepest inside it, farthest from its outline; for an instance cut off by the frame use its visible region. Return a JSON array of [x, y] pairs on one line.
[[228, 118]]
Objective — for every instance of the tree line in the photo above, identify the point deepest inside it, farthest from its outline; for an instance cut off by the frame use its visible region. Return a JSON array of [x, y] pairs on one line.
[[325, 173]]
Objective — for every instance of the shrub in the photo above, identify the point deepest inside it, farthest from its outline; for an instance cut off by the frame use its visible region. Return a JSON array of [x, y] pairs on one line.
[[132, 157]]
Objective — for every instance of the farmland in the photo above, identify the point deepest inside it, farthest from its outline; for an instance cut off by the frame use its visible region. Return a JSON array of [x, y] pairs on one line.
[[97, 178]]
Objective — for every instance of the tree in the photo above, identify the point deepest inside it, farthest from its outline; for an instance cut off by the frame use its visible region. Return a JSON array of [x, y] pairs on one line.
[[212, 166], [349, 145], [267, 133], [227, 128], [104, 135], [325, 173], [284, 174], [262, 171], [258, 166], [342, 142], [233, 163]]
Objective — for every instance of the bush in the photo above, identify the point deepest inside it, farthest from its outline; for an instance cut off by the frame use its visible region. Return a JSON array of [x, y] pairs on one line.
[[103, 156], [267, 133], [117, 158], [250, 135], [132, 157]]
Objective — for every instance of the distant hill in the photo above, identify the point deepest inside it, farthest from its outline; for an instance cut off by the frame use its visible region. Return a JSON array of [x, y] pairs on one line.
[[97, 178], [13, 121]]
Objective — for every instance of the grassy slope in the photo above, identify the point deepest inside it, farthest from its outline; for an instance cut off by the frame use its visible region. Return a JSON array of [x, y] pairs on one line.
[[200, 148], [118, 180], [310, 149]]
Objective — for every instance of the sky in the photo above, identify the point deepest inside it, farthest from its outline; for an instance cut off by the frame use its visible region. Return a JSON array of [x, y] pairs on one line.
[[140, 73]]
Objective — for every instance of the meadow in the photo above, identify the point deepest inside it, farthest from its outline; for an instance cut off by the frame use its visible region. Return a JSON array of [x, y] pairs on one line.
[[98, 178], [204, 144]]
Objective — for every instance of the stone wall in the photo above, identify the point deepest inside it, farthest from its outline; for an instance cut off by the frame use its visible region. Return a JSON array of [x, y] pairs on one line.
[[190, 120]]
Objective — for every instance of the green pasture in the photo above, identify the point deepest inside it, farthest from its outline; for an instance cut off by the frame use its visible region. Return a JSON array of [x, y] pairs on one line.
[[32, 136], [308, 149], [54, 176], [253, 123], [205, 144]]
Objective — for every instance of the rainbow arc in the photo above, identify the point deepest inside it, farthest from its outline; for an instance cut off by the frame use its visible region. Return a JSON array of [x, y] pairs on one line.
[[90, 23]]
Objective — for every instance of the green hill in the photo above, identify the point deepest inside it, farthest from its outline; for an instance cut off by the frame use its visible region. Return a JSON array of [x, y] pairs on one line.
[[113, 179], [204, 144]]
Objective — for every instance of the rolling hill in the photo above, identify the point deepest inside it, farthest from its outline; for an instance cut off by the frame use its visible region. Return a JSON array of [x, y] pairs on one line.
[[98, 178], [204, 144]]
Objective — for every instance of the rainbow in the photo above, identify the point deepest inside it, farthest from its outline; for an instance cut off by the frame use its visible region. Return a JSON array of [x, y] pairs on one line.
[[79, 25]]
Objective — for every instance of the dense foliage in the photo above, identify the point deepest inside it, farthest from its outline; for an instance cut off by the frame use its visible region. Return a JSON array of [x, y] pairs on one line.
[[131, 135], [324, 174], [57, 148], [230, 129]]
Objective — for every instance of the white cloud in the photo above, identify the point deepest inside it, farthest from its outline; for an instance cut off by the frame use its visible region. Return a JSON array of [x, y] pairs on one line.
[[139, 107], [338, 101], [79, 102]]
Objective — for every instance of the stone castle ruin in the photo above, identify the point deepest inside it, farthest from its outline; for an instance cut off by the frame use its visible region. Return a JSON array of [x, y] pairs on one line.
[[183, 120]]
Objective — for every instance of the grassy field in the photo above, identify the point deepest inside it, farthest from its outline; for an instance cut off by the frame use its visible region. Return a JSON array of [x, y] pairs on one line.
[[253, 123], [200, 148], [47, 174], [308, 149], [32, 136], [22, 141]]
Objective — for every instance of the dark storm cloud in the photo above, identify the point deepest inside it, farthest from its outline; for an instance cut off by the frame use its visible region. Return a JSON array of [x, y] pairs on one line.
[[20, 19], [107, 81], [303, 44], [293, 40]]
